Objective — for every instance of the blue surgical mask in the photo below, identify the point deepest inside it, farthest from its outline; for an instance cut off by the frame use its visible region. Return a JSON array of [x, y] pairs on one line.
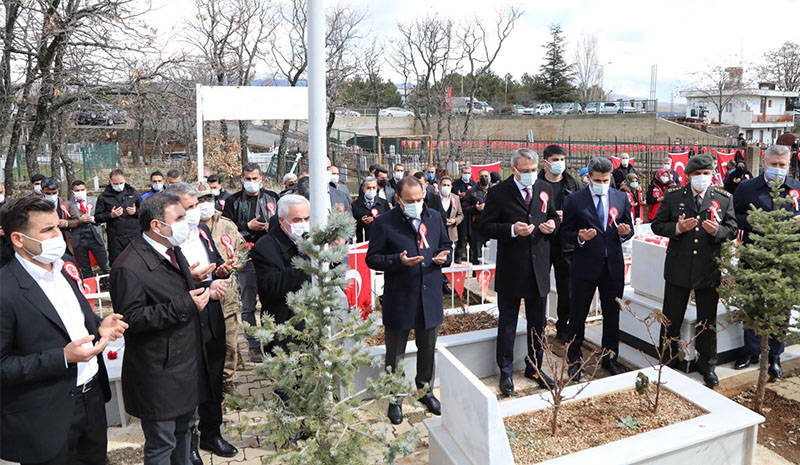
[[527, 179], [773, 172], [466, 177], [158, 187], [558, 167], [600, 189], [634, 185], [52, 199], [118, 187], [413, 210], [251, 186], [430, 176]]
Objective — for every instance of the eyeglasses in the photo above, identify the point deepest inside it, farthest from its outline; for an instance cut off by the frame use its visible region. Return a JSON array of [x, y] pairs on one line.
[[205, 199]]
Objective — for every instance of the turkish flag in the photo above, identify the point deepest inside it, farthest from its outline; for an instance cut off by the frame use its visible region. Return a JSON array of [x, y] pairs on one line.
[[722, 161], [615, 161], [476, 169], [458, 279], [485, 278], [679, 161], [358, 278]]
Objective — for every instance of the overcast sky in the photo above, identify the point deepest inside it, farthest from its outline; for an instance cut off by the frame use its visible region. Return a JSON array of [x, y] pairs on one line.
[[680, 36]]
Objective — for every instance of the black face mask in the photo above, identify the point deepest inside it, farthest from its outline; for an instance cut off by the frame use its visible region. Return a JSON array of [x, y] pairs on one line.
[[484, 182], [740, 167], [381, 183]]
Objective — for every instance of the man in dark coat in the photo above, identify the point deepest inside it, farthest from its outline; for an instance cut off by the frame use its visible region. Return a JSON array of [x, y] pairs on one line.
[[757, 193], [367, 207], [217, 191], [521, 215], [597, 220], [623, 170], [88, 236], [410, 245], [251, 209], [736, 176], [118, 207], [461, 186], [698, 219], [164, 374], [54, 381], [473, 205], [562, 185]]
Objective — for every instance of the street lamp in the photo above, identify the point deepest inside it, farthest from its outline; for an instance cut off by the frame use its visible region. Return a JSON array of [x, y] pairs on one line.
[[603, 77]]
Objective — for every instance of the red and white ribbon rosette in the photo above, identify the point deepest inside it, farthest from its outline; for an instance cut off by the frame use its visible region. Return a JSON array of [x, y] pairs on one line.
[[714, 209], [613, 213], [374, 212], [65, 210], [795, 195], [423, 236], [544, 197], [72, 272], [228, 243], [271, 208], [205, 236]]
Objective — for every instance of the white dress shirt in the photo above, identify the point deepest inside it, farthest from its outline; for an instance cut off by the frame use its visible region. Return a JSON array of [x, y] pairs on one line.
[[195, 251], [159, 248], [446, 204], [63, 299]]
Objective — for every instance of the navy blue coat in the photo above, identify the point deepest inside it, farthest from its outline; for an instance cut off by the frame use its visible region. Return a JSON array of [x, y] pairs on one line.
[[757, 192], [412, 296], [581, 213]]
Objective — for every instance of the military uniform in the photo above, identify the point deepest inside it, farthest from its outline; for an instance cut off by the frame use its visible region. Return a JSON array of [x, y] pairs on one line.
[[691, 262]]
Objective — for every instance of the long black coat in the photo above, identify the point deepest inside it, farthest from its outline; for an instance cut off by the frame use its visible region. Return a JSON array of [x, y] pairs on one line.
[[122, 229], [36, 409], [472, 217], [360, 210], [412, 295], [163, 371], [757, 192], [521, 261]]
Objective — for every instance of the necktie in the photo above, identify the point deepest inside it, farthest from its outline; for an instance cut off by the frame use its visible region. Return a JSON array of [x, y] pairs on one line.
[[369, 204], [173, 259], [83, 207], [182, 265], [698, 200], [601, 212], [528, 197]]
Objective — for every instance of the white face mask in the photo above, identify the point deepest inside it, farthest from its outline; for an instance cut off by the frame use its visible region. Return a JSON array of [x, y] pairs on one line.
[[52, 198], [700, 182], [38, 189], [118, 187], [413, 210], [665, 179], [193, 217], [634, 185], [600, 189], [80, 195], [2, 198], [52, 249], [252, 186], [335, 179], [158, 187], [398, 175], [180, 231], [446, 190], [215, 192], [206, 210], [667, 166], [299, 230], [370, 194], [527, 179]]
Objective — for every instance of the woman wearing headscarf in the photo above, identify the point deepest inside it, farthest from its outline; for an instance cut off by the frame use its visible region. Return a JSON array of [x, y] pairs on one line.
[[655, 194], [635, 193]]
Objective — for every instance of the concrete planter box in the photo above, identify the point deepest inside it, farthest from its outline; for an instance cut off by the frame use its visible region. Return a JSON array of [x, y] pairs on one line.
[[471, 430], [475, 349]]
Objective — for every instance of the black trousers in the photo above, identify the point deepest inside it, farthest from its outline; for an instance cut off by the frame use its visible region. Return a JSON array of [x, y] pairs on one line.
[[82, 255], [508, 308], [116, 244], [706, 300], [560, 264], [476, 242], [210, 411], [582, 295], [425, 339], [86, 441]]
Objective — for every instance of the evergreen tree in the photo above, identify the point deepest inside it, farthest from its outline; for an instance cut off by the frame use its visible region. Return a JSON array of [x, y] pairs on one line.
[[312, 414], [554, 81], [760, 278]]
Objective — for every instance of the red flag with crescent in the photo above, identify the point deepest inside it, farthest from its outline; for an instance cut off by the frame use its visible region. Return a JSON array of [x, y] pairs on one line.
[[358, 287], [679, 161]]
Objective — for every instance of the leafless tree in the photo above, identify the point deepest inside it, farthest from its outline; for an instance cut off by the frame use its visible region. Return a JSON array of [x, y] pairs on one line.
[[588, 72], [481, 47], [718, 85], [782, 66], [371, 62]]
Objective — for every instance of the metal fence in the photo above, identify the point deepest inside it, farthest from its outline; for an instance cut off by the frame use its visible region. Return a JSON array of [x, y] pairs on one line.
[[89, 160]]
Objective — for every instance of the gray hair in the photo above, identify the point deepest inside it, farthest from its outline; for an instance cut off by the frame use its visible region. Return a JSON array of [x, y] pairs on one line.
[[181, 189], [600, 165], [524, 153], [777, 151], [288, 201], [369, 179], [289, 176]]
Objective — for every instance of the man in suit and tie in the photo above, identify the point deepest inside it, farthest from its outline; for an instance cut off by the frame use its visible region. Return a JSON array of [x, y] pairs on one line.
[[521, 216], [164, 374], [410, 245], [88, 236], [367, 207], [756, 193], [597, 220], [54, 382], [698, 219]]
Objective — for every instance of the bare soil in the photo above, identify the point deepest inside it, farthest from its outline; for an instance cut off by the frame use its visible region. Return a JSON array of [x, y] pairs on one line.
[[452, 324], [591, 423]]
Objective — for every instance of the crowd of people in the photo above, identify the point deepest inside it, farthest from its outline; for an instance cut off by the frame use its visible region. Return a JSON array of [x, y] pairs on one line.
[[179, 285]]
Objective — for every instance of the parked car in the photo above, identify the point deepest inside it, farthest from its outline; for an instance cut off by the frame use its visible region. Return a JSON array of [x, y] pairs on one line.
[[99, 113], [569, 108], [487, 109], [610, 108], [593, 108], [395, 111], [628, 108], [512, 109], [530, 109], [544, 109], [347, 112]]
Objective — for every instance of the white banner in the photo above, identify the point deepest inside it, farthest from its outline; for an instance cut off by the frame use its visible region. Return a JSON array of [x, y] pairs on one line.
[[252, 103]]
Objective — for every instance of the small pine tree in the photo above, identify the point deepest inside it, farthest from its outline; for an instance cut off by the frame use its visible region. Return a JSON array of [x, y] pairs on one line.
[[311, 413], [760, 278], [554, 81]]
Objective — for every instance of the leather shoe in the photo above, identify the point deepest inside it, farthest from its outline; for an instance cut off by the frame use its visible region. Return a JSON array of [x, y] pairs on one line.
[[218, 446], [612, 367], [775, 370], [745, 362], [574, 373], [711, 379], [194, 454], [541, 379], [395, 412], [432, 403], [507, 384]]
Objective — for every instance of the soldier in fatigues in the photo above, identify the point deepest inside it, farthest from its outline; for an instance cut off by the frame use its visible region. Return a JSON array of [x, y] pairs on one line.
[[697, 218], [229, 242]]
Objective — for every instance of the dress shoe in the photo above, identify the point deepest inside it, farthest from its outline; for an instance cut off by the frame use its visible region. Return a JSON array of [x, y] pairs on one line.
[[775, 370], [507, 384], [745, 362], [218, 446], [612, 367], [194, 454], [574, 373], [711, 380], [395, 412], [541, 379], [432, 403]]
